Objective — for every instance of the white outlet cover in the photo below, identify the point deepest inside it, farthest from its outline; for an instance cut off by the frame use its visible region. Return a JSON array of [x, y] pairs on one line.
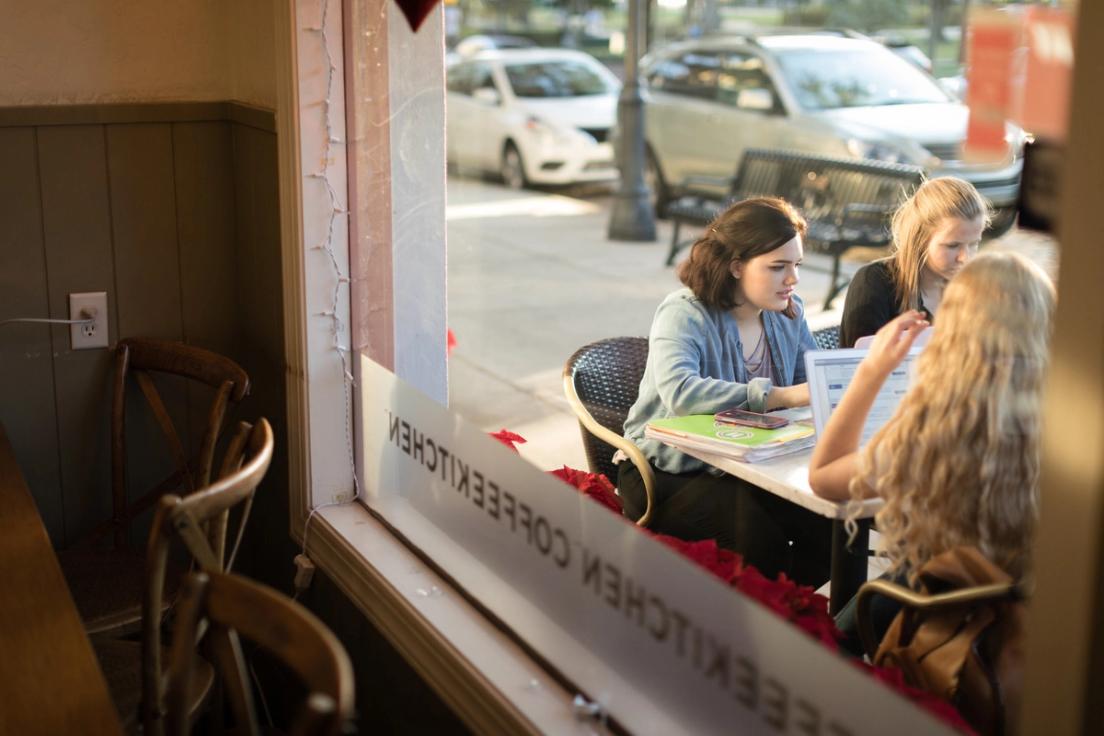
[[84, 337]]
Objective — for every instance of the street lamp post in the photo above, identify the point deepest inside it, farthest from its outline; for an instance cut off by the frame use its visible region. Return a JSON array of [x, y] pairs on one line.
[[632, 218]]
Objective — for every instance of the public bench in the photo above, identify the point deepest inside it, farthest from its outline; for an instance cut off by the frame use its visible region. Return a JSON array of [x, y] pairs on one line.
[[846, 202]]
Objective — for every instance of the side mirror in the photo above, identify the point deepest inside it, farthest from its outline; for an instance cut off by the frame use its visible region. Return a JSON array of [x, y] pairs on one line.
[[487, 95], [760, 100]]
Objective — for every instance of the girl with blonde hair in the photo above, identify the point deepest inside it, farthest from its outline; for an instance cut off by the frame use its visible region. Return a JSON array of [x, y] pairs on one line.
[[935, 232], [958, 463]]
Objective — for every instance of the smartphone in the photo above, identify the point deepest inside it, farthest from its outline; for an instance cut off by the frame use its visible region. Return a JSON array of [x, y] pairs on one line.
[[750, 419]]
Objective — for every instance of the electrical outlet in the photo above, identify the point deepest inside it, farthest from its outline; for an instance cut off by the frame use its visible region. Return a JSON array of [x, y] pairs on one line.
[[91, 304]]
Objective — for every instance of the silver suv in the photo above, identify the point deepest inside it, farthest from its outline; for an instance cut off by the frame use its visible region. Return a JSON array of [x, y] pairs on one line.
[[709, 99]]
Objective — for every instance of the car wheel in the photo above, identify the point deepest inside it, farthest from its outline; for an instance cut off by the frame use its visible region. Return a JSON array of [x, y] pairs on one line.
[[1003, 220], [653, 177], [513, 168]]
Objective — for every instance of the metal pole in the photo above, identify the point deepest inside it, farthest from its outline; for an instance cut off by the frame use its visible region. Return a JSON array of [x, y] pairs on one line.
[[632, 218]]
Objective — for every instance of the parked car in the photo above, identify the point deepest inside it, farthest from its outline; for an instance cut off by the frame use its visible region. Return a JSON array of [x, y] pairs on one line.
[[708, 100], [534, 116]]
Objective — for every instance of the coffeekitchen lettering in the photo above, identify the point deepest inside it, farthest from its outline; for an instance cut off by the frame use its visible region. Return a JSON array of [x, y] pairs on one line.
[[738, 674]]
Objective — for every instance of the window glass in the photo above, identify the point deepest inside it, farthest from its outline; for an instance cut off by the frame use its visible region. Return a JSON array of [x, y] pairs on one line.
[[460, 79], [741, 73], [557, 79], [693, 74], [830, 79]]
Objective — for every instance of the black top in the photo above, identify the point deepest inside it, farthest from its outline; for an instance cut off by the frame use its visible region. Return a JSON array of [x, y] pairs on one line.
[[871, 302]]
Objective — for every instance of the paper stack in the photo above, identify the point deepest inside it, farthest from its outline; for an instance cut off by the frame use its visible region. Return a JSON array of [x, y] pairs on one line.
[[747, 444]]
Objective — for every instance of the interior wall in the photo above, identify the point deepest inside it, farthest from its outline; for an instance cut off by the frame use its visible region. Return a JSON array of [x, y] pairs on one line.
[[176, 219], [66, 52]]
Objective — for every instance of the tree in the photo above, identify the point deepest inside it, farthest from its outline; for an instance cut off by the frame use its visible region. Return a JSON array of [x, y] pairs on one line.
[[867, 15]]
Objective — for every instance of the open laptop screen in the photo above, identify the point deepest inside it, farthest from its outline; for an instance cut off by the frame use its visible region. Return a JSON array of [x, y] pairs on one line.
[[830, 372]]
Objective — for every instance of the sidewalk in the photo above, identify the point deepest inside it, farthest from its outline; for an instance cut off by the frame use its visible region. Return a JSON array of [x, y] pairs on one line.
[[532, 277]]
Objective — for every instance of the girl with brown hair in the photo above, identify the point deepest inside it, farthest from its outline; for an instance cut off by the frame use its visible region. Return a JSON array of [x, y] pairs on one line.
[[734, 337]]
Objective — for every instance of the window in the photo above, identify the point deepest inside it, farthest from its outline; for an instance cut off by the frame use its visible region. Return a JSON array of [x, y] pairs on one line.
[[743, 83], [693, 74], [556, 79]]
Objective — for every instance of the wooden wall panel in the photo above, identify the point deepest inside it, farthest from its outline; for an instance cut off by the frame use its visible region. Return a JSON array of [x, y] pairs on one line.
[[204, 176], [77, 236], [147, 276], [174, 215], [143, 214], [255, 189], [203, 162], [26, 361]]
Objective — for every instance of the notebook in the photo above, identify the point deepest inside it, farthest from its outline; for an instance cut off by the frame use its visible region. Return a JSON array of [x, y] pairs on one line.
[[829, 373], [747, 444]]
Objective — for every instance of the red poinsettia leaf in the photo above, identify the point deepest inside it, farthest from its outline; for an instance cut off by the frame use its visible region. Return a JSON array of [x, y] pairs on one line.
[[706, 554], [593, 485], [416, 11], [508, 438]]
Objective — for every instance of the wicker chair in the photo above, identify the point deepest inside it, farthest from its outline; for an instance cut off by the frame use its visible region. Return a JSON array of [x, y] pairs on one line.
[[827, 338], [601, 382]]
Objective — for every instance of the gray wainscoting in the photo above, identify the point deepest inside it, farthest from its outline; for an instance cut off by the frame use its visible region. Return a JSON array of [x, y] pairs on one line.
[[172, 210]]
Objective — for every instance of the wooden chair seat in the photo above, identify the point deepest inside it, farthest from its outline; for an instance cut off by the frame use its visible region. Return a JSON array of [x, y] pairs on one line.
[[121, 661], [107, 587]]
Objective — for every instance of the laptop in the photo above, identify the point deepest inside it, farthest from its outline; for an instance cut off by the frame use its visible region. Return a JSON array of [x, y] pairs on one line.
[[829, 373]]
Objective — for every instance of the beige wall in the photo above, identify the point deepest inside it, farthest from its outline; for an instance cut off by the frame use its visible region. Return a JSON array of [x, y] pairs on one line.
[[63, 52]]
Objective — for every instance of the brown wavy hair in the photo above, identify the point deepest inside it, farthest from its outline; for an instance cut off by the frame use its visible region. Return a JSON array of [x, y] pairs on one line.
[[958, 464], [745, 230], [915, 222]]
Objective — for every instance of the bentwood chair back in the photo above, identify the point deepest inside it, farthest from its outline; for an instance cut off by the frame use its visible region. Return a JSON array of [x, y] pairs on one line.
[[134, 670], [228, 606], [601, 382], [107, 583]]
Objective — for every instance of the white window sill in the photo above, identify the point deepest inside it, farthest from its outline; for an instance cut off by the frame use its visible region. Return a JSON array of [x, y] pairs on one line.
[[479, 671]]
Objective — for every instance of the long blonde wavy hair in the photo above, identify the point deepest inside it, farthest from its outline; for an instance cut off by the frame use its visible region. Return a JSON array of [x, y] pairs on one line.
[[958, 464], [915, 222]]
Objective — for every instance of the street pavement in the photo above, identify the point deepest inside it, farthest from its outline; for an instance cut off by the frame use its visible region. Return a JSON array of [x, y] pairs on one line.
[[532, 277]]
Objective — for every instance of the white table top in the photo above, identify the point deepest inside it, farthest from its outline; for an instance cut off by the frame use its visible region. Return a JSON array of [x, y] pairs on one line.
[[786, 476]]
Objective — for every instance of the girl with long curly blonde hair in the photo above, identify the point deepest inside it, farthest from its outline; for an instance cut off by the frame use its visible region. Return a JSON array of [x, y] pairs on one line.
[[958, 463]]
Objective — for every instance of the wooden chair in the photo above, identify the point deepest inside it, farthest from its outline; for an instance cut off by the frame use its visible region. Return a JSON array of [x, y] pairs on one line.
[[229, 605], [200, 521], [107, 583], [601, 382]]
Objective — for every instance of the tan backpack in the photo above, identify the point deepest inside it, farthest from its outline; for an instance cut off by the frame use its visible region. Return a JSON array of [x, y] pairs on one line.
[[961, 638]]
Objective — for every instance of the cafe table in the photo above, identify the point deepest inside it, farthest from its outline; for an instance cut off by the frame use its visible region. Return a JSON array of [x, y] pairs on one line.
[[50, 680], [787, 476]]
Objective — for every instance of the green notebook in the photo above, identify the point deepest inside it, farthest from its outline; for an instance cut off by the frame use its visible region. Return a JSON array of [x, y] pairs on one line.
[[750, 444]]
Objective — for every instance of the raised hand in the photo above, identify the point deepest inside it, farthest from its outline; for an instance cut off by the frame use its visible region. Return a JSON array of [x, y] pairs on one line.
[[892, 342]]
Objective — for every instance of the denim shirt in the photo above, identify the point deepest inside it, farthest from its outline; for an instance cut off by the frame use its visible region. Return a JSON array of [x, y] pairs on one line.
[[696, 366]]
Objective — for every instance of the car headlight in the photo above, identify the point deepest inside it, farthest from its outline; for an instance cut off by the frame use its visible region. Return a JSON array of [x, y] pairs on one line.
[[544, 129], [877, 151]]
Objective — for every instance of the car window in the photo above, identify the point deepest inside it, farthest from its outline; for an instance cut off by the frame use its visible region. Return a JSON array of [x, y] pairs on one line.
[[824, 79], [563, 78], [692, 74], [742, 73], [459, 79], [482, 77]]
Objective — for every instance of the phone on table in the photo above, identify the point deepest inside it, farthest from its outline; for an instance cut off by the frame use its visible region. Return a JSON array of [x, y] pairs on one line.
[[750, 419]]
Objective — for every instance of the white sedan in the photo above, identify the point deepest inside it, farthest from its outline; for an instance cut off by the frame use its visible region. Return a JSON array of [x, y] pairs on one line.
[[534, 116]]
